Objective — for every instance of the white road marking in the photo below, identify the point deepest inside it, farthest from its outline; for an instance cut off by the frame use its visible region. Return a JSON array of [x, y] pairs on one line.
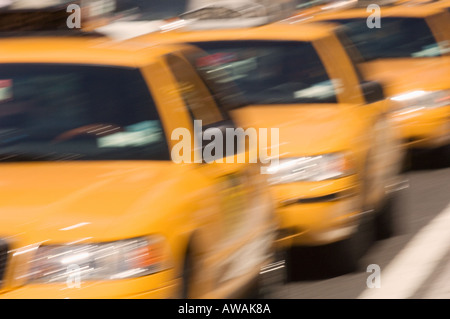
[[441, 286], [416, 262]]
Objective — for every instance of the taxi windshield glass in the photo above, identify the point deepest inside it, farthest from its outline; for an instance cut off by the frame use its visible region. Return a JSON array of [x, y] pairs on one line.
[[77, 112], [397, 38], [270, 72]]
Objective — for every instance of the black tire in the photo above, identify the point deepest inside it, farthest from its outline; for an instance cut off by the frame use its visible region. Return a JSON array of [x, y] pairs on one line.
[[257, 290], [443, 156], [290, 259], [342, 257], [187, 273], [270, 279], [431, 158], [321, 262], [385, 226], [407, 163], [334, 259], [186, 276], [311, 263]]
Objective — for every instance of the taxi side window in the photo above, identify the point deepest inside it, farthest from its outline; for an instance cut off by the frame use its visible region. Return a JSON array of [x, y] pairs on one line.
[[373, 92], [351, 51], [196, 96], [198, 99]]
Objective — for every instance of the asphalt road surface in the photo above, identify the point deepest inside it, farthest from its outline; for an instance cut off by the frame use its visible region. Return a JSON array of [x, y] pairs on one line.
[[414, 263]]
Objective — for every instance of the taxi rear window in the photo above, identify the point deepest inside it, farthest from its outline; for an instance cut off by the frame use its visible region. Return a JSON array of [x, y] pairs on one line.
[[398, 37], [270, 72], [77, 112]]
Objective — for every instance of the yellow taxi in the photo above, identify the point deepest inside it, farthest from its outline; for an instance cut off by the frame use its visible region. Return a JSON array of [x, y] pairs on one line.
[[409, 52], [135, 18], [338, 150], [433, 3], [93, 203]]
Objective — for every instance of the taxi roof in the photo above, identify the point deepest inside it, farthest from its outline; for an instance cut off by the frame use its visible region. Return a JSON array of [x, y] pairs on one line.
[[292, 31], [394, 10], [81, 50]]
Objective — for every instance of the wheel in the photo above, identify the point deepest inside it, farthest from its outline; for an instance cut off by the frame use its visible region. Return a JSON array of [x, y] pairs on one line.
[[310, 263], [437, 158], [190, 275], [334, 259], [270, 278], [383, 164], [385, 218], [342, 257], [443, 156], [187, 276]]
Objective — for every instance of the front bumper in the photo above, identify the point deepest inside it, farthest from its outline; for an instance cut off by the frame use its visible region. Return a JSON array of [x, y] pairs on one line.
[[424, 127], [156, 286], [327, 211]]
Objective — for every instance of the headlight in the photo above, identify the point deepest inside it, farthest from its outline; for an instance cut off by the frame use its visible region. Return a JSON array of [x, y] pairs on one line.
[[425, 99], [106, 261], [314, 168]]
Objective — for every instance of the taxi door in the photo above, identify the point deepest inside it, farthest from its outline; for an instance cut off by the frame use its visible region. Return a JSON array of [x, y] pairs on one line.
[[245, 212]]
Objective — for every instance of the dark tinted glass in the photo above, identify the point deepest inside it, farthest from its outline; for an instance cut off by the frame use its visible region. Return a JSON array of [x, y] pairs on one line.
[[397, 38], [74, 112], [270, 72]]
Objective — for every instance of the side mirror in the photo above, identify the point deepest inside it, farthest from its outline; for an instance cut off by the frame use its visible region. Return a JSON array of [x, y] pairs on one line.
[[373, 91]]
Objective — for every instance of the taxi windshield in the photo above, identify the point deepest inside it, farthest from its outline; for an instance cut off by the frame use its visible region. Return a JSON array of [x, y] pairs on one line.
[[77, 112], [397, 38], [270, 72], [152, 9]]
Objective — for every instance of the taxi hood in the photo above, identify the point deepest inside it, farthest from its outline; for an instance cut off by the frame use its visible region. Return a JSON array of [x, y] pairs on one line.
[[68, 200], [402, 75], [304, 129]]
